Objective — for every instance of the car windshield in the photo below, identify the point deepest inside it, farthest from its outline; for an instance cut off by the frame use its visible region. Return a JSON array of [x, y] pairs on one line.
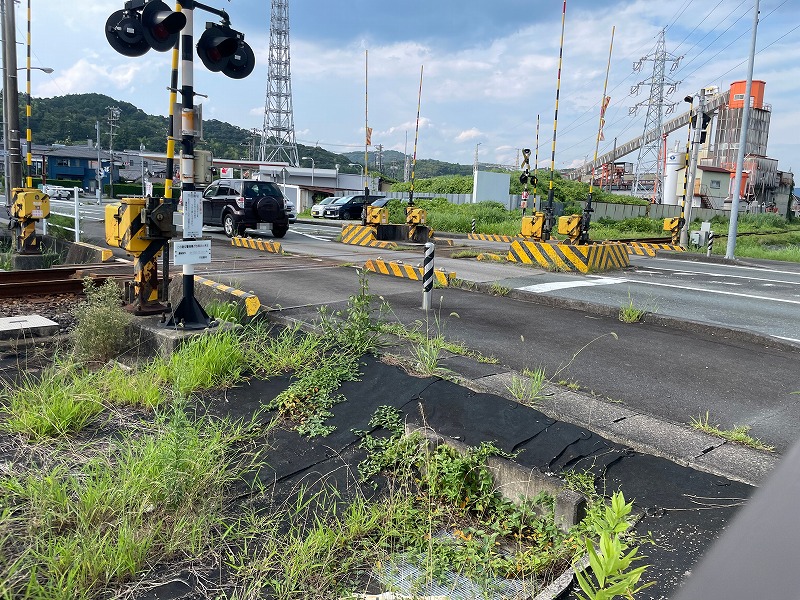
[[258, 189], [342, 200], [327, 200]]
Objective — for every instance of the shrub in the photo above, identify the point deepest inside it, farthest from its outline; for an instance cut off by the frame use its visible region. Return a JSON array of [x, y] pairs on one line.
[[101, 332]]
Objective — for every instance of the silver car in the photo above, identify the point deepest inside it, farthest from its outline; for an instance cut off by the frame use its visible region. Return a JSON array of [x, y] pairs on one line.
[[319, 208]]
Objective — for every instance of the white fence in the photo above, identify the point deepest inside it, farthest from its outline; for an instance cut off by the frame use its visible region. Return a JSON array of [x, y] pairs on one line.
[[76, 215]]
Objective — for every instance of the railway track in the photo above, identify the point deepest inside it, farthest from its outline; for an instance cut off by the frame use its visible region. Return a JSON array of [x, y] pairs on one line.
[[56, 280]]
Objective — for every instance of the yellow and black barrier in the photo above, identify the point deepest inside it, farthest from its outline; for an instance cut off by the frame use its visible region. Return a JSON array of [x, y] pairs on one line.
[[491, 237], [254, 244], [248, 300], [567, 257], [398, 269], [363, 235], [649, 248]]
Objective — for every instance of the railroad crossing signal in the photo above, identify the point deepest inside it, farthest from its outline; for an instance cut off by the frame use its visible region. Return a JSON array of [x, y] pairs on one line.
[[132, 33], [224, 49]]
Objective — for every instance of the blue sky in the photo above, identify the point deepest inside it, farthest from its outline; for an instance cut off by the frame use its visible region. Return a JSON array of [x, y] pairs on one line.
[[489, 69]]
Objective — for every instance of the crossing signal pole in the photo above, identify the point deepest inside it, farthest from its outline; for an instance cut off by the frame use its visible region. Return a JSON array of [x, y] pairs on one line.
[[145, 24]]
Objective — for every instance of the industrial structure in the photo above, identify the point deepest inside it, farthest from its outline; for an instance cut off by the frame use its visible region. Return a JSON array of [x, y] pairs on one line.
[[277, 133], [764, 186]]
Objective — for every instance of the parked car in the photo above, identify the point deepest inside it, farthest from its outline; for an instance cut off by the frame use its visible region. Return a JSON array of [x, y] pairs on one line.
[[290, 212], [238, 204], [57, 192], [347, 207], [319, 207]]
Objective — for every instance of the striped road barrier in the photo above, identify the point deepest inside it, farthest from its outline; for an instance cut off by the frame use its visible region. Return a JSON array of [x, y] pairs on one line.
[[398, 269], [363, 235], [491, 237], [250, 301], [254, 244], [566, 257], [649, 248]]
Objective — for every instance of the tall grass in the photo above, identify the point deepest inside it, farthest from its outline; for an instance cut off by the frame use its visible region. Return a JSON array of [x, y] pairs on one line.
[[150, 498]]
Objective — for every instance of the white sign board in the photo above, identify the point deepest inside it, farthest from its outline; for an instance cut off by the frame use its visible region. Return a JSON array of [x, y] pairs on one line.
[[191, 253], [192, 214], [226, 173]]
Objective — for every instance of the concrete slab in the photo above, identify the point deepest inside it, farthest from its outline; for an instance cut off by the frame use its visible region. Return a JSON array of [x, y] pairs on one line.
[[737, 462], [660, 438], [26, 326], [156, 339]]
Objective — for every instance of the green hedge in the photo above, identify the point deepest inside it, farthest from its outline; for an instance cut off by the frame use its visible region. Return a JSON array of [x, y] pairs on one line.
[[124, 190]]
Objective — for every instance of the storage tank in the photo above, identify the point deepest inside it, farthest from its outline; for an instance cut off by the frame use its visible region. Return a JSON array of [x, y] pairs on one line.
[[674, 167]]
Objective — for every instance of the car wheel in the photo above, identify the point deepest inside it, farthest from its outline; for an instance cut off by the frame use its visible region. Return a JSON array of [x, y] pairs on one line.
[[231, 227], [279, 231]]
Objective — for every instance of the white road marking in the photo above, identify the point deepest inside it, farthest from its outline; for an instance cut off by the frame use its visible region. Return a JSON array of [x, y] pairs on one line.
[[313, 237], [788, 339], [562, 285], [741, 267], [707, 291]]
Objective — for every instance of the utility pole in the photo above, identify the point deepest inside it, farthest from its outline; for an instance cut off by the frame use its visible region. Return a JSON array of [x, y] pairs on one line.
[[113, 117], [692, 172], [730, 249], [99, 171], [11, 103]]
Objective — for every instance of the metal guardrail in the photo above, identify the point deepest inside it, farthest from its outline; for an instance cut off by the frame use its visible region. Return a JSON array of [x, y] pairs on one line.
[[76, 216]]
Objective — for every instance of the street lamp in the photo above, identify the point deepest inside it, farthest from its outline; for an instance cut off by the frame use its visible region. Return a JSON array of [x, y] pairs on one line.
[[361, 172], [312, 175]]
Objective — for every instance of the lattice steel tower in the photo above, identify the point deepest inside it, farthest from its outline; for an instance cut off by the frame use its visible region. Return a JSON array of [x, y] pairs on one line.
[[277, 133], [649, 180]]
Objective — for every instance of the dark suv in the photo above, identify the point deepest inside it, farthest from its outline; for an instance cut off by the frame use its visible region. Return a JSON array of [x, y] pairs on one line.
[[347, 207], [238, 204]]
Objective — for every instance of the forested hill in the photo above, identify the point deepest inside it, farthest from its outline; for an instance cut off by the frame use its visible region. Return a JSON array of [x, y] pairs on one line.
[[71, 120]]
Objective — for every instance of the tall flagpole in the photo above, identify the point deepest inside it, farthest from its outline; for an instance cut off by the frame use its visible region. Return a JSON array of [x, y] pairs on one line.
[[548, 216], [416, 138], [583, 238], [367, 132]]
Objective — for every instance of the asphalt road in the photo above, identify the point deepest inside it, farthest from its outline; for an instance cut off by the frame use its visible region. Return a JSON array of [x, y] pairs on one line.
[[673, 374]]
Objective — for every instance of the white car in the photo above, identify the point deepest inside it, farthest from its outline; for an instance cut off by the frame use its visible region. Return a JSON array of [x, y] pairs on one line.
[[56, 192], [319, 207]]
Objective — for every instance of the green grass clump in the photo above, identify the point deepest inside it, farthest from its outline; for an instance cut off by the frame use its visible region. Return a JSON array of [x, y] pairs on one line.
[[152, 497], [209, 361], [226, 311], [62, 399], [739, 433]]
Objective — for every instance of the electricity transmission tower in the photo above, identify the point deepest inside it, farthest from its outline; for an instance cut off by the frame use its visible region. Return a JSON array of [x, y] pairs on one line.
[[648, 182], [277, 133]]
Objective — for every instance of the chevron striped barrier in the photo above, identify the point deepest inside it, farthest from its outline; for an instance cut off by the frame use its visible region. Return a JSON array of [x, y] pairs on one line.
[[250, 301], [254, 244], [580, 258], [649, 248], [362, 235], [397, 269], [491, 237]]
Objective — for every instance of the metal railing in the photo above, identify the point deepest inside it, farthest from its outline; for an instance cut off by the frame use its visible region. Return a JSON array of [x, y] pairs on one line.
[[76, 217]]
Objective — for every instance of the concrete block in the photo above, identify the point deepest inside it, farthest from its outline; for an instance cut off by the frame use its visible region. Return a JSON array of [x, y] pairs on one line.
[[25, 326], [156, 339], [25, 262], [517, 483]]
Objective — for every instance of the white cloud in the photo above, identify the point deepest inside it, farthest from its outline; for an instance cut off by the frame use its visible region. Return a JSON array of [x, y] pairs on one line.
[[467, 135]]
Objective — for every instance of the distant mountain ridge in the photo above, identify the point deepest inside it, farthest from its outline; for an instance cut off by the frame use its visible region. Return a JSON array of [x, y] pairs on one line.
[[71, 119]]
